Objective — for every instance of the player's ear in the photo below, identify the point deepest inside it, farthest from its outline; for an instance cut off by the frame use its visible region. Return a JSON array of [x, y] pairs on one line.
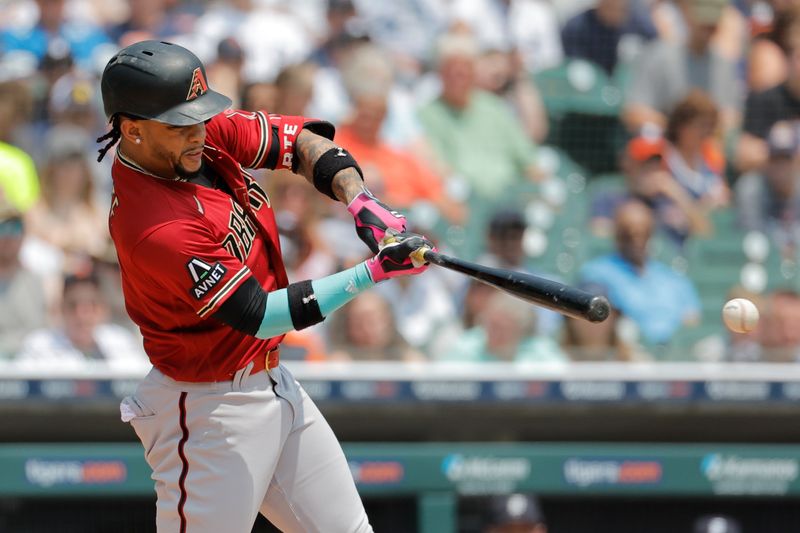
[[130, 129]]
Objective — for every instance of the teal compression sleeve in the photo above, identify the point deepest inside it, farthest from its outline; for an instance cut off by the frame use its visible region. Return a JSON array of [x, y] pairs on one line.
[[331, 292]]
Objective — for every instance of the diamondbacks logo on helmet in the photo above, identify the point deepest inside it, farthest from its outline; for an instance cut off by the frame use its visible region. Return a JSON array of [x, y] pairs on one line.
[[198, 85]]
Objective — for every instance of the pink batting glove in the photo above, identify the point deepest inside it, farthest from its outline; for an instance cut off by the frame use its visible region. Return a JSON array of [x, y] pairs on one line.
[[398, 258], [373, 219]]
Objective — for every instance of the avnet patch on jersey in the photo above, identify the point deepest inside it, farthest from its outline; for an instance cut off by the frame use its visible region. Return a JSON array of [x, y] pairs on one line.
[[205, 276]]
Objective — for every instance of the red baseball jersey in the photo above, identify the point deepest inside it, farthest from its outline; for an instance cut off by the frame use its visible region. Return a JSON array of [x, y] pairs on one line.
[[184, 248]]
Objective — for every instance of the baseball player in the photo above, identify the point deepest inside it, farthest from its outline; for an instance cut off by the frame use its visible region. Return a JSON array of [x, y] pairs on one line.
[[226, 429]]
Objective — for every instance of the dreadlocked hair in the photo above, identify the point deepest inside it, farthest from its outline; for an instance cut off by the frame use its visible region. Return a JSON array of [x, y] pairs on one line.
[[114, 134]]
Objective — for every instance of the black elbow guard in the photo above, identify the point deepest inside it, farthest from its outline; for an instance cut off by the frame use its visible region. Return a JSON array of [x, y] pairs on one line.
[[328, 165]]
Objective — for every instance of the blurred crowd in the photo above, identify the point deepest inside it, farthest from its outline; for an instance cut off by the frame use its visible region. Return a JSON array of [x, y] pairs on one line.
[[629, 133]]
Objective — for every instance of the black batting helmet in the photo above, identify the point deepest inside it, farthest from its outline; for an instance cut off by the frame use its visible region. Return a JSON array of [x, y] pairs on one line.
[[159, 81]]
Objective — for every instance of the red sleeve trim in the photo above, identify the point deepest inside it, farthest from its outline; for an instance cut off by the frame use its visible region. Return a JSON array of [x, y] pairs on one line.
[[263, 147]]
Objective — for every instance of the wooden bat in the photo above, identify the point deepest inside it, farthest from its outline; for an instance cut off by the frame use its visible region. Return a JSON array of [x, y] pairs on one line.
[[561, 298]]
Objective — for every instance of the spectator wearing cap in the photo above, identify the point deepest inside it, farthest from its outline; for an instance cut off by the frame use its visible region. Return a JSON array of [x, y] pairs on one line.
[[665, 72], [472, 131], [515, 513], [657, 299], [648, 180], [84, 338], [342, 31], [504, 249], [716, 524], [346, 36], [769, 201], [73, 100], [226, 72], [763, 109], [52, 32], [22, 302], [595, 34]]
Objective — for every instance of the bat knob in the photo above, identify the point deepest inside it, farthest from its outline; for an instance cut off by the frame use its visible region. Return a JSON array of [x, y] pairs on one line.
[[418, 256], [599, 309]]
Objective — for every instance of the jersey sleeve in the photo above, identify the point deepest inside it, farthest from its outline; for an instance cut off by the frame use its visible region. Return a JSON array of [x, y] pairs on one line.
[[182, 259], [261, 140]]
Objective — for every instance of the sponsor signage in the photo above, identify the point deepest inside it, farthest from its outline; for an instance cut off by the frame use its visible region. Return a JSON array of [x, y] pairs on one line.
[[369, 390], [48, 473], [446, 390], [485, 474], [377, 472], [664, 390], [520, 390], [732, 474], [318, 390], [738, 391], [14, 389], [593, 391], [591, 472], [59, 388]]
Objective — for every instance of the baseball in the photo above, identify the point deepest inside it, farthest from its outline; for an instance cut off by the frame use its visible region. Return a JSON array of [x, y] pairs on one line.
[[740, 315]]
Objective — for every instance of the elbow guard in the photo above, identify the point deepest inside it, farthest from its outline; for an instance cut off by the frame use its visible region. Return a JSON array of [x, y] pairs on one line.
[[328, 165]]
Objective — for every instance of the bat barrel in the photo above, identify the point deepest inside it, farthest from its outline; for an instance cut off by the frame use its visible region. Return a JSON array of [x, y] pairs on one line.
[[547, 293]]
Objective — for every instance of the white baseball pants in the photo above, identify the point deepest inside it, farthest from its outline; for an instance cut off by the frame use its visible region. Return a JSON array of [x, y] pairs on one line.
[[223, 452]]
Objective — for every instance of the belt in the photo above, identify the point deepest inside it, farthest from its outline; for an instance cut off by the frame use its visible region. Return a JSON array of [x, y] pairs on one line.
[[266, 362]]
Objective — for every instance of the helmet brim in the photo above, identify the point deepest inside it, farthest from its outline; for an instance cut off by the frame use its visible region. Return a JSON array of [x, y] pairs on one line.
[[195, 111]]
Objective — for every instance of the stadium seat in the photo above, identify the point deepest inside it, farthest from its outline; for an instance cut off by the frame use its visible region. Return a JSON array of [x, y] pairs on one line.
[[584, 105]]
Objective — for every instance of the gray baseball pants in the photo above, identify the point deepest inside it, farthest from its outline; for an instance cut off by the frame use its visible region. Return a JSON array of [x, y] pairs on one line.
[[222, 452]]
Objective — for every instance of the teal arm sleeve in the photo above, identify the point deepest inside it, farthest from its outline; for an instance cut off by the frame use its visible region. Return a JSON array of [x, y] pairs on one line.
[[332, 292]]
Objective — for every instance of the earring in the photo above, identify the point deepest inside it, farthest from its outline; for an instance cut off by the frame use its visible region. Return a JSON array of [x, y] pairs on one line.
[[138, 141]]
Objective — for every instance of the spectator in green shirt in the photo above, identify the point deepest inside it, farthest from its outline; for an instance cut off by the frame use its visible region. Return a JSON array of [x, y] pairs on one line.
[[473, 131]]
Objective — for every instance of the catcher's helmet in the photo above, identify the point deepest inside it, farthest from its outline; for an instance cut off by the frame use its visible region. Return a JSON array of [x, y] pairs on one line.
[[159, 81]]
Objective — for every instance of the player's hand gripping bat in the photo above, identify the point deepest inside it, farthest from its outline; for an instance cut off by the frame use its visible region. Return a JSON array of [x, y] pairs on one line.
[[561, 298]]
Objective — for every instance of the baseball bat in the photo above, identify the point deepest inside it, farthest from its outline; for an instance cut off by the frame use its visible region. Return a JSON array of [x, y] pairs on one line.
[[559, 297]]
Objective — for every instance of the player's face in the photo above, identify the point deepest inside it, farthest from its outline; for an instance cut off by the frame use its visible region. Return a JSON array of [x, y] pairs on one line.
[[174, 149]]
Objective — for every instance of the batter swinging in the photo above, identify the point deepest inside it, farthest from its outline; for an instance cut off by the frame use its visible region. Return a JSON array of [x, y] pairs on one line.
[[226, 429]]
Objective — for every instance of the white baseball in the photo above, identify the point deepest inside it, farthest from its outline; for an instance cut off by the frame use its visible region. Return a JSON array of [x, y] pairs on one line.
[[740, 315]]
